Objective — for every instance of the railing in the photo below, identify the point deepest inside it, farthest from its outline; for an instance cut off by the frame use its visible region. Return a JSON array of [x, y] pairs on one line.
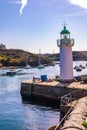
[[65, 42], [68, 98]]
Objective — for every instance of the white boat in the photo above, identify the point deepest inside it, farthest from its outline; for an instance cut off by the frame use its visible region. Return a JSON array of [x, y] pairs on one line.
[[11, 72], [76, 67], [79, 69], [81, 66], [53, 64], [27, 66]]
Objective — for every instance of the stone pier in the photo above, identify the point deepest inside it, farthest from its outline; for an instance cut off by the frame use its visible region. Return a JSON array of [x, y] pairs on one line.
[[52, 90]]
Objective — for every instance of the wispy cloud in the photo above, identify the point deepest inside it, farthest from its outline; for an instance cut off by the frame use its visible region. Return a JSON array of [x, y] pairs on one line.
[[23, 3], [81, 3], [15, 1], [80, 13], [48, 2]]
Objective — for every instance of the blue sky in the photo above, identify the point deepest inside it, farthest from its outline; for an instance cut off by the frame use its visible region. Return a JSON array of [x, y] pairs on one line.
[[35, 24]]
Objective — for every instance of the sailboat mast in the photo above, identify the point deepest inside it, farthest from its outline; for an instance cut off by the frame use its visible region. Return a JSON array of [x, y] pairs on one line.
[[39, 60]]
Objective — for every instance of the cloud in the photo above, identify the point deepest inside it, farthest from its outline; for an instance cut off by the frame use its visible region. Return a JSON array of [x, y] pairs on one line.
[[15, 1], [81, 3], [80, 13], [23, 4], [47, 2]]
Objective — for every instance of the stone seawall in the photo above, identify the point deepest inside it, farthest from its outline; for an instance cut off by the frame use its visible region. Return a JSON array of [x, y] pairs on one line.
[[52, 90], [55, 90]]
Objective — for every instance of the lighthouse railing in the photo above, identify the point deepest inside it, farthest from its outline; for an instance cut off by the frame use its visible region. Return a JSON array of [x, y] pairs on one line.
[[65, 42]]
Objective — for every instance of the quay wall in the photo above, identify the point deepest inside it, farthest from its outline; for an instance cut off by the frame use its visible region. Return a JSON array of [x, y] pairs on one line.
[[44, 90], [74, 91]]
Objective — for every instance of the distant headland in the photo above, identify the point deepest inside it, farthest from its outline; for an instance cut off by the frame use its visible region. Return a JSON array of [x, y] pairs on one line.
[[17, 57]]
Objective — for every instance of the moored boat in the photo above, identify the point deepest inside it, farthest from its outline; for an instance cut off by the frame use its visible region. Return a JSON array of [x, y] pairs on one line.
[[40, 66], [79, 69], [27, 66], [11, 72]]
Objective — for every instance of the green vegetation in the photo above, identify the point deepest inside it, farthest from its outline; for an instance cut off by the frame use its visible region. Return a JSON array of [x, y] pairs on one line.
[[3, 57], [84, 123], [18, 57]]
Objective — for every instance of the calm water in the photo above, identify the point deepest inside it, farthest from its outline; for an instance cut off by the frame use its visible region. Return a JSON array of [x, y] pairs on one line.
[[20, 114]]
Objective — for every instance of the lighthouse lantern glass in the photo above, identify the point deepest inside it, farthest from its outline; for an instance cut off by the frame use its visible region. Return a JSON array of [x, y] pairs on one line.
[[65, 36]]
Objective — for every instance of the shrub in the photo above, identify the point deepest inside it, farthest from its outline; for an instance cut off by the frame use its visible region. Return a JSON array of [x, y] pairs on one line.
[[84, 123]]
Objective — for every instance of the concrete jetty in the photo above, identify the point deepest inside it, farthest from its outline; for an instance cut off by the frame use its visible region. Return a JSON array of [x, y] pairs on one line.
[[66, 93], [49, 89]]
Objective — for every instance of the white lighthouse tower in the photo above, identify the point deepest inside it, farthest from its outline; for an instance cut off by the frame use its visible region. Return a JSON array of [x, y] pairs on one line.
[[66, 61]]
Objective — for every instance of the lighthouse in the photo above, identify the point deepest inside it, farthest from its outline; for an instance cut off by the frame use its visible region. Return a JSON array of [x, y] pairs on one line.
[[65, 44]]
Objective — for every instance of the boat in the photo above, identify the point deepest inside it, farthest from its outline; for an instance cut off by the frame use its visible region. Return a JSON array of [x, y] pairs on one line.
[[11, 72], [79, 69], [27, 66], [40, 66], [76, 67], [81, 66], [53, 62]]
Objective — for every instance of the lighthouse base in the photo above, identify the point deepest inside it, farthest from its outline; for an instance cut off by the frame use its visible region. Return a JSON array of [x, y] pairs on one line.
[[67, 80]]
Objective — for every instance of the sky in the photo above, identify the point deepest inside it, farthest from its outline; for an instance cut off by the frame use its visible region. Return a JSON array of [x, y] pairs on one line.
[[36, 24]]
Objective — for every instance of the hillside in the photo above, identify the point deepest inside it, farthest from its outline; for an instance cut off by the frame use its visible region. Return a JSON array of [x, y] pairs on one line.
[[80, 55], [77, 55], [17, 57]]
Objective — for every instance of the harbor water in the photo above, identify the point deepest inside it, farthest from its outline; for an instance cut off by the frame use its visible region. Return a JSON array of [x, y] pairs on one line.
[[17, 113]]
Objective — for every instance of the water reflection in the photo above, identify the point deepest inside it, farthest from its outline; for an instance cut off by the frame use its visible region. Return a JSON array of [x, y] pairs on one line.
[[41, 102], [40, 113]]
